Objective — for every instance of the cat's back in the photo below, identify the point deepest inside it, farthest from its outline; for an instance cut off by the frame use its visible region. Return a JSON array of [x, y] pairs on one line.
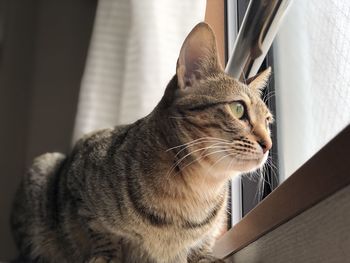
[[30, 205], [45, 165], [96, 146], [35, 200], [36, 179]]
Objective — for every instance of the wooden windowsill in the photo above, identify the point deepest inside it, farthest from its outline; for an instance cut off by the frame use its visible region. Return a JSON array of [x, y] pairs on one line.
[[320, 177]]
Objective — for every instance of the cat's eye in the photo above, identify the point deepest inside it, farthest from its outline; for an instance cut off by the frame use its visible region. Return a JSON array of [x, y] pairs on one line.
[[237, 109]]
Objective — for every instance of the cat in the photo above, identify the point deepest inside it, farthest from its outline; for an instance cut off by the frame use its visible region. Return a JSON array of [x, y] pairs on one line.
[[156, 190]]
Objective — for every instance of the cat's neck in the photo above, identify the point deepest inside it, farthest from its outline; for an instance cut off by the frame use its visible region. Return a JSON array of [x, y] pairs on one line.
[[205, 182], [195, 181]]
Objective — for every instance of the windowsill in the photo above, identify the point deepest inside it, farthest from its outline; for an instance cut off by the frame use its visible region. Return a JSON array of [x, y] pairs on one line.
[[324, 174]]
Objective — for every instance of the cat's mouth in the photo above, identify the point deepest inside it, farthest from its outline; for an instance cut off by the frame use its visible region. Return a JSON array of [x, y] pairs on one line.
[[222, 160]]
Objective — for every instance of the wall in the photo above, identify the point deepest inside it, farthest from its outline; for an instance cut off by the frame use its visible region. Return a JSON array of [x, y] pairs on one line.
[[41, 63], [318, 235]]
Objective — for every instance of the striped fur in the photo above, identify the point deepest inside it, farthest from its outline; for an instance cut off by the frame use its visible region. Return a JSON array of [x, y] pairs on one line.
[[152, 191]]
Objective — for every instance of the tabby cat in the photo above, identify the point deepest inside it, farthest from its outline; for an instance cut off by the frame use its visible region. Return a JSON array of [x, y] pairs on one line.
[[155, 190]]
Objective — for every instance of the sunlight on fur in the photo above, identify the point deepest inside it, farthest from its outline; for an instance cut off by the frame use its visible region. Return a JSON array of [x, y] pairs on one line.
[[155, 190]]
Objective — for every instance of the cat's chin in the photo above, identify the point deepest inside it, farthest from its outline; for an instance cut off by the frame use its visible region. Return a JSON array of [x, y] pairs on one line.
[[255, 164], [249, 165]]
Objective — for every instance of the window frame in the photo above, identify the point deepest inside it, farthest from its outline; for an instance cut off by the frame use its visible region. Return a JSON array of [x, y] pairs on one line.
[[246, 192], [317, 179]]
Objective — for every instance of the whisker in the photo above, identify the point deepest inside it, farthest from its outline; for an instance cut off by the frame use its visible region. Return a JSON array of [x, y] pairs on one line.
[[266, 180], [268, 95], [203, 156], [198, 140], [273, 169], [229, 165], [184, 157], [217, 143], [213, 165]]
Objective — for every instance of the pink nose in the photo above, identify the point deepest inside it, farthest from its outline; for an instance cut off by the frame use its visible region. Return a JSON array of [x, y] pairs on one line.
[[265, 145]]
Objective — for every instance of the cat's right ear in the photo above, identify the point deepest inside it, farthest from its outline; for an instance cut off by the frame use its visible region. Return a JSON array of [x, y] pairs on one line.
[[198, 56], [259, 81]]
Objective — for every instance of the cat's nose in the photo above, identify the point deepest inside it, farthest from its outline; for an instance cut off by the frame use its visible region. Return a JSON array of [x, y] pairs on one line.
[[265, 144]]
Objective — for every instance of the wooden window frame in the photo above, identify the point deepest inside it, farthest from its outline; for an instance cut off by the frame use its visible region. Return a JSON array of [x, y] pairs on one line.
[[320, 177], [225, 17]]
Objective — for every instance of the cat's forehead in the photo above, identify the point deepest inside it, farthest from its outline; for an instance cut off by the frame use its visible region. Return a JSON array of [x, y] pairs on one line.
[[221, 88], [229, 89], [255, 103], [225, 88]]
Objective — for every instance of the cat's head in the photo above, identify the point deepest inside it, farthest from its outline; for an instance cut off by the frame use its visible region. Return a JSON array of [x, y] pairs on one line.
[[219, 122]]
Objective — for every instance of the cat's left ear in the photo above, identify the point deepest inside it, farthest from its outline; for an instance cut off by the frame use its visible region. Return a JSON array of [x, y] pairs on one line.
[[198, 56], [259, 81]]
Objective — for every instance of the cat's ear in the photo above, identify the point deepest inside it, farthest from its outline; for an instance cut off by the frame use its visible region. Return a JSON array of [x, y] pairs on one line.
[[259, 81], [198, 56]]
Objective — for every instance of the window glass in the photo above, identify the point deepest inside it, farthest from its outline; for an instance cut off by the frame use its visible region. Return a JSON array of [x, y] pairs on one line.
[[312, 73]]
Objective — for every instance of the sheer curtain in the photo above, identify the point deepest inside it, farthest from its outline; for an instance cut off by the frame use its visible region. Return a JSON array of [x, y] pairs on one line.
[[132, 56], [312, 65]]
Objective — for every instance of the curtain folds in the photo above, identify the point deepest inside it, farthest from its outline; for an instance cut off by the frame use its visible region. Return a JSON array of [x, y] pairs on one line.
[[132, 56]]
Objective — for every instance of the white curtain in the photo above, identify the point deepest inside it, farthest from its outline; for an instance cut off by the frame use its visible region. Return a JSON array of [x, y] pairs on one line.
[[132, 56], [312, 66]]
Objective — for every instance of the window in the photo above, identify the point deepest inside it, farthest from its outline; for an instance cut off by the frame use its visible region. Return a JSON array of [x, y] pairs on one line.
[[311, 74], [251, 189]]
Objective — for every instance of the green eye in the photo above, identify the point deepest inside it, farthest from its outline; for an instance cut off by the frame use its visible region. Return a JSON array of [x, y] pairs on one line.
[[237, 109]]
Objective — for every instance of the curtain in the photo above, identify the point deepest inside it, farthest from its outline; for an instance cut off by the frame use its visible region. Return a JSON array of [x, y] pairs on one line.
[[132, 56], [312, 78]]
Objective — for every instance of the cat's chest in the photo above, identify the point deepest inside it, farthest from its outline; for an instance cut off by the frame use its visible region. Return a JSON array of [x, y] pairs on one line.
[[169, 242]]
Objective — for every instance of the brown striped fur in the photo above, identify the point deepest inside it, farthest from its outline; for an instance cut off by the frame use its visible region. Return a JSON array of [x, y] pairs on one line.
[[155, 190]]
